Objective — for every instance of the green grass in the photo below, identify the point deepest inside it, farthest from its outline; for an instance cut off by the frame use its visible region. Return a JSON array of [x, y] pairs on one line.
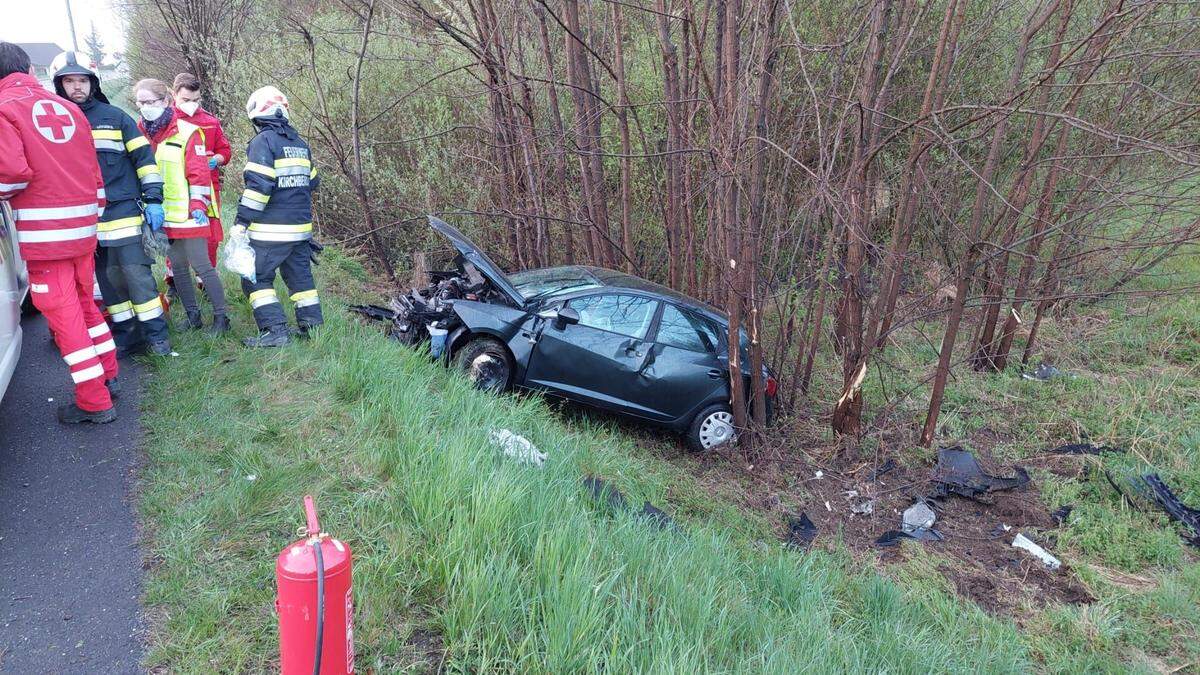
[[464, 555]]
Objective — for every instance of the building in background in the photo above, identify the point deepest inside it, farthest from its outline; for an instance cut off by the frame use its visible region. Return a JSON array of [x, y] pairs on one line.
[[41, 54]]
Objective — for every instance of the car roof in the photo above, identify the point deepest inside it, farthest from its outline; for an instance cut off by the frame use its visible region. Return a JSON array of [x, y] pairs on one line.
[[622, 280]]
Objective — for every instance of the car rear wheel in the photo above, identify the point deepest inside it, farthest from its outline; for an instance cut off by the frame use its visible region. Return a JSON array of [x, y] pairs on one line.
[[485, 361], [713, 426]]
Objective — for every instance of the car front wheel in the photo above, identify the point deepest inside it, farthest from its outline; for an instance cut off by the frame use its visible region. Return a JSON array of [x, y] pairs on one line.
[[485, 361], [713, 426]]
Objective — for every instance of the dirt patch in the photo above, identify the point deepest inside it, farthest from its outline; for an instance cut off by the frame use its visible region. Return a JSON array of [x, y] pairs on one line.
[[857, 498]]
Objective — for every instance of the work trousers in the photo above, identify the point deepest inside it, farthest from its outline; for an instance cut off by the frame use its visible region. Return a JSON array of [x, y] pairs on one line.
[[130, 295], [62, 292], [192, 254], [293, 261]]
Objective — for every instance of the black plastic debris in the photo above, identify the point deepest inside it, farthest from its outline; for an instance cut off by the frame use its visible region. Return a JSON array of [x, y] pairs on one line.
[[1061, 514], [1167, 501], [894, 537], [1044, 373], [374, 312], [885, 468], [1083, 449], [958, 472], [801, 531], [602, 491], [657, 517]]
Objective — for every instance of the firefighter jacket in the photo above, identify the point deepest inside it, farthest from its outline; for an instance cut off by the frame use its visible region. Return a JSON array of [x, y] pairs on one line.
[[276, 206], [129, 169], [187, 181], [215, 143], [48, 171]]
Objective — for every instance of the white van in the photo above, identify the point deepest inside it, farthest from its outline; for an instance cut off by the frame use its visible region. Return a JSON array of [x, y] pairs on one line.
[[14, 288]]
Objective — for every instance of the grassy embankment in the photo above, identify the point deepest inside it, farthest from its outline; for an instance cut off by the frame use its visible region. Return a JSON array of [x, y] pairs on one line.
[[464, 555]]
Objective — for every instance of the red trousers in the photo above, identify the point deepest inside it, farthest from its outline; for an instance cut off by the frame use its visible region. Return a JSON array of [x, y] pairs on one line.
[[62, 291]]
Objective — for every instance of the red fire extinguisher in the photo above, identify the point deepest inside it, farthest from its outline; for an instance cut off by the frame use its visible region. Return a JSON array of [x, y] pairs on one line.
[[314, 603]]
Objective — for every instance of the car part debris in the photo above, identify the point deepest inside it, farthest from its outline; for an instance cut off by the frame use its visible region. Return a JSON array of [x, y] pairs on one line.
[[602, 491], [657, 517], [885, 468], [1044, 373], [801, 531], [999, 530], [374, 312], [516, 446], [958, 472], [894, 537], [1022, 542], [1061, 514], [1180, 512], [1083, 449]]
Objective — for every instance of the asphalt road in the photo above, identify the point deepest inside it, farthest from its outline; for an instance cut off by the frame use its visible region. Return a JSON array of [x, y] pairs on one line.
[[70, 569]]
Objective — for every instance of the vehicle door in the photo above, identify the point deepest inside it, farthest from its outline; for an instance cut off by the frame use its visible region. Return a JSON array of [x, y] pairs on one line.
[[596, 360], [12, 292], [683, 368]]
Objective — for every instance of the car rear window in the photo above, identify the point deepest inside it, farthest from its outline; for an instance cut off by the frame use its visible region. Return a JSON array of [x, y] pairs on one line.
[[684, 330]]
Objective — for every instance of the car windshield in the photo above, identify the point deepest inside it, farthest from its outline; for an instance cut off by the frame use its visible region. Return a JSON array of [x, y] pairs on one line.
[[540, 283]]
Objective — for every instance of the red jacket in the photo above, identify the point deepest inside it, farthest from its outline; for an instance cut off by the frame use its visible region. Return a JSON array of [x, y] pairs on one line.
[[48, 171], [215, 140], [199, 177]]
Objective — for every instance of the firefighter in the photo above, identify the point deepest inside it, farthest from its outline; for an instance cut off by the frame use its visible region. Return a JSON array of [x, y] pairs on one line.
[[186, 93], [130, 174], [50, 177], [187, 192], [276, 210]]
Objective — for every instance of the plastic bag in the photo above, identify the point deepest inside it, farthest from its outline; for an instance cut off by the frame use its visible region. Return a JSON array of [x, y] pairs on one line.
[[239, 255], [154, 243]]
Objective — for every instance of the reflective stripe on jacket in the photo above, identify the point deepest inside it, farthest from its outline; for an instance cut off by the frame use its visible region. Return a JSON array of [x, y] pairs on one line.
[[48, 171]]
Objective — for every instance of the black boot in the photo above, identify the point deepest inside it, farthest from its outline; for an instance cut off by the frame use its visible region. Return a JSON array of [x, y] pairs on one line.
[[220, 325], [194, 322], [73, 414], [275, 336], [114, 388], [161, 348], [304, 328]]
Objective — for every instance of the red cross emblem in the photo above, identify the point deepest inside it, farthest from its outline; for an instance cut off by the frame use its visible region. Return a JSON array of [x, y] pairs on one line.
[[53, 121]]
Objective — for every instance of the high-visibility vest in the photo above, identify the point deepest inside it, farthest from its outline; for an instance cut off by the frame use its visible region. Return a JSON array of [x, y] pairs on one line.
[[171, 156]]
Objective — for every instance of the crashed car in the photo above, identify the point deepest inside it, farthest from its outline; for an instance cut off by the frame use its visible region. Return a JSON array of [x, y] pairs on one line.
[[596, 336]]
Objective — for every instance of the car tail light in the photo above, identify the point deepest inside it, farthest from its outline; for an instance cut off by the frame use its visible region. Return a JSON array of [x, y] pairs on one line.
[[772, 386]]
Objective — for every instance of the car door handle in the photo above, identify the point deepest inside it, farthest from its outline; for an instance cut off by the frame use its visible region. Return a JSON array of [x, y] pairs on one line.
[[716, 374]]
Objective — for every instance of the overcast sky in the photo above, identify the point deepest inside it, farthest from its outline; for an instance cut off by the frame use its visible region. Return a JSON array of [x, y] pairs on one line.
[[46, 21]]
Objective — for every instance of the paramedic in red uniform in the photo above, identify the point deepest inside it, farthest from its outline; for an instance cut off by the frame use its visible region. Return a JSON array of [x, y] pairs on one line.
[[185, 91], [50, 178]]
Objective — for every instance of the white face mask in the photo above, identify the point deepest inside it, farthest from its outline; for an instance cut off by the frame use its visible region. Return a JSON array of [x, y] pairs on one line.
[[190, 107], [152, 112]]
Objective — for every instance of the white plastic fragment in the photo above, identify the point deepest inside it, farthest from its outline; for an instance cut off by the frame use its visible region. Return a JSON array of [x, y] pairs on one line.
[[251, 477], [516, 446], [819, 475], [1023, 542]]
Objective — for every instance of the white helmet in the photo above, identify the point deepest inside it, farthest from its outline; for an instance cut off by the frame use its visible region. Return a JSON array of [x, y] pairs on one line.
[[265, 101]]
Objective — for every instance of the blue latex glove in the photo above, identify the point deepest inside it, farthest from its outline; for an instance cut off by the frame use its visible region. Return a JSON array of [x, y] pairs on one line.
[[200, 217], [155, 216], [212, 162]]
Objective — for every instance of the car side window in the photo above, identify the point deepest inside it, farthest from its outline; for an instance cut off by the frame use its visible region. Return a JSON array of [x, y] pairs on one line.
[[684, 330], [623, 314]]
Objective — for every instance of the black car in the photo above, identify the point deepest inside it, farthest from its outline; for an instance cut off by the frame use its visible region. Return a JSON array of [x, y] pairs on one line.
[[600, 337]]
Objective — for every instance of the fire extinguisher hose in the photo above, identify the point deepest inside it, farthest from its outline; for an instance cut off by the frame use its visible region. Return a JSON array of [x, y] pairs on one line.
[[320, 606]]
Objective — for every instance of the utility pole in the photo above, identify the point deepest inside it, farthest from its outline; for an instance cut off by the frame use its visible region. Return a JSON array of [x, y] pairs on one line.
[[71, 20]]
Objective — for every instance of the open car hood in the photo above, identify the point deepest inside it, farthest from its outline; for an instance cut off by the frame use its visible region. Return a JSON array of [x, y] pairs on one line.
[[472, 253]]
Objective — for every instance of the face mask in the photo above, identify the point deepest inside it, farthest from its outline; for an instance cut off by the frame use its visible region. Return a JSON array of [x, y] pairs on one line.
[[152, 112], [190, 107]]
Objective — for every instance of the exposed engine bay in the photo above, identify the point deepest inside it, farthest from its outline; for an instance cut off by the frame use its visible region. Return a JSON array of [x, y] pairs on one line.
[[428, 313]]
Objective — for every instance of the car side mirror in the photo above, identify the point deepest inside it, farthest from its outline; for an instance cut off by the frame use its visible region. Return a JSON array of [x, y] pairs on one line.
[[565, 317]]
